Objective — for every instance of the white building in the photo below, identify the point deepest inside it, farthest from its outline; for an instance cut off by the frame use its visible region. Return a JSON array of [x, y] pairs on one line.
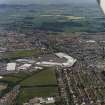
[[38, 68], [25, 60], [11, 66], [48, 64], [1, 77], [24, 67], [50, 100], [70, 60], [90, 41]]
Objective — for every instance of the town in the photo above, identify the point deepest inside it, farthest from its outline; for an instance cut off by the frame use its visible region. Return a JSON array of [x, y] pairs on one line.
[[52, 54], [78, 66]]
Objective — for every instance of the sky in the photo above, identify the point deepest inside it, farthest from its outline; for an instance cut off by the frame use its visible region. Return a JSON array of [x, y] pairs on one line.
[[43, 1]]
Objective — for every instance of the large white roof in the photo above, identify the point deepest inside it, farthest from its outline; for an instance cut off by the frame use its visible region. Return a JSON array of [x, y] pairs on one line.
[[11, 66], [45, 63], [70, 61], [1, 77], [24, 67], [25, 60]]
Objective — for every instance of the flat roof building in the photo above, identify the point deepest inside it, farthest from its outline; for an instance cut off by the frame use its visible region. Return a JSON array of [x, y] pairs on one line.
[[24, 67], [11, 66]]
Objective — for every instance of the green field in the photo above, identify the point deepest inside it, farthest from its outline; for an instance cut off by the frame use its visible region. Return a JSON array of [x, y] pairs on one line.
[[36, 84], [28, 93], [13, 79], [21, 54], [55, 18], [46, 77]]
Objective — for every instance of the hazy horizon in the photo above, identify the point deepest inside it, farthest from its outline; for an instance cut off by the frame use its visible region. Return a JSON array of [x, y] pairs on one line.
[[45, 1]]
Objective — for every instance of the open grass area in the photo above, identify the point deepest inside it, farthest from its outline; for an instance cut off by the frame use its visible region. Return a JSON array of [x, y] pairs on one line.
[[51, 104], [21, 54], [18, 75], [3, 86], [45, 77], [29, 93], [12, 79], [36, 84]]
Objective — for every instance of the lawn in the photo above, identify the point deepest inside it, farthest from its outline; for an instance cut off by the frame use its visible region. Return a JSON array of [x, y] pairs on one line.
[[12, 79], [21, 54], [29, 93], [36, 84], [45, 77]]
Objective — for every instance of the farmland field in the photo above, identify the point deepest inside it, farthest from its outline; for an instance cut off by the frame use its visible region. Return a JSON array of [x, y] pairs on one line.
[[55, 18]]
